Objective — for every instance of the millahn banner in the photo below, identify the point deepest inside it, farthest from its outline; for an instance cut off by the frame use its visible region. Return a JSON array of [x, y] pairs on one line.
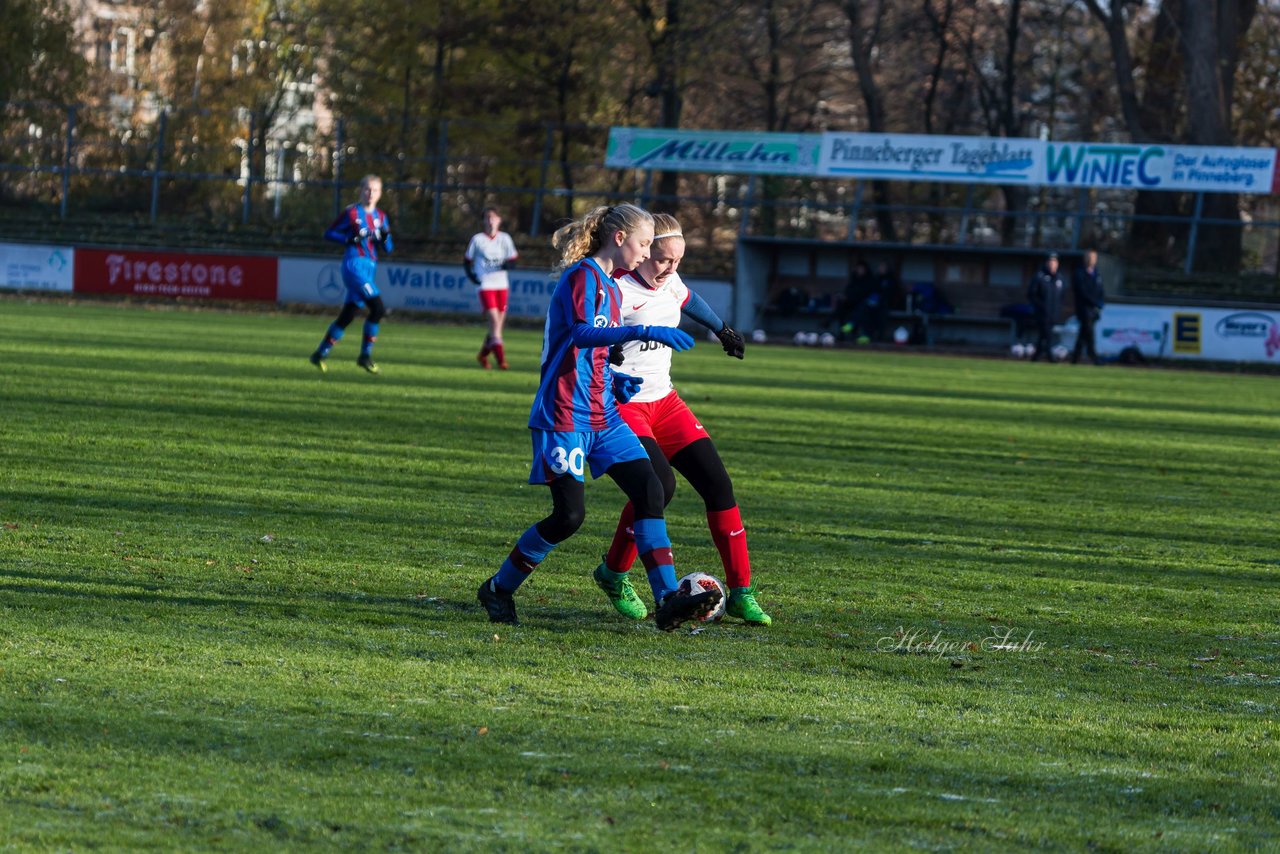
[[952, 159]]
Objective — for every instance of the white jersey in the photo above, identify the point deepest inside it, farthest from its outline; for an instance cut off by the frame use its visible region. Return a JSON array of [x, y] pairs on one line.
[[487, 255], [646, 306]]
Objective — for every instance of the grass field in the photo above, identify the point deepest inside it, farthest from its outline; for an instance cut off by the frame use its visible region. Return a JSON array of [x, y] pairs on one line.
[[237, 604]]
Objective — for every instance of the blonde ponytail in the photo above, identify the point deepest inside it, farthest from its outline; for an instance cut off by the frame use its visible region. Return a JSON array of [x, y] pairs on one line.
[[585, 236]]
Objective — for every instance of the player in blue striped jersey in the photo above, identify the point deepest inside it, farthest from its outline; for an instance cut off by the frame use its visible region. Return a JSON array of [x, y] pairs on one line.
[[365, 232], [574, 419]]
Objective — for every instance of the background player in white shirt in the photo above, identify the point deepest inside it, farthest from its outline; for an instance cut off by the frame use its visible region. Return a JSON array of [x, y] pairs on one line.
[[489, 255], [654, 295]]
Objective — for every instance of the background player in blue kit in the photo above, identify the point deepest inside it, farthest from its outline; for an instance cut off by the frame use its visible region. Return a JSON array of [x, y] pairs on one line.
[[365, 231], [574, 419]]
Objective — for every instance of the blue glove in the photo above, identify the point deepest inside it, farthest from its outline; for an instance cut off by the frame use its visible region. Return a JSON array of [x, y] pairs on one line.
[[625, 386], [675, 338]]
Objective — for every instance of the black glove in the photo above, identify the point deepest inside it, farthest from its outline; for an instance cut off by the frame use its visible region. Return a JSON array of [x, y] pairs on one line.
[[615, 355], [359, 237], [381, 236], [471, 274], [508, 265], [732, 342]]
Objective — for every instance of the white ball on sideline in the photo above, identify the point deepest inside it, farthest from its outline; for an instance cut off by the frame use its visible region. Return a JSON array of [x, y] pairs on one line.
[[1018, 351], [901, 335], [798, 340], [826, 339], [811, 338], [759, 337]]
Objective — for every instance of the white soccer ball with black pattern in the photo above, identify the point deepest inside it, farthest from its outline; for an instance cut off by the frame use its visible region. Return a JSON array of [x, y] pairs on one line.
[[695, 581]]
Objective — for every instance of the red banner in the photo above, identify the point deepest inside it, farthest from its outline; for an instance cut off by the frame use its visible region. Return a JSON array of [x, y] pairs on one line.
[[134, 272]]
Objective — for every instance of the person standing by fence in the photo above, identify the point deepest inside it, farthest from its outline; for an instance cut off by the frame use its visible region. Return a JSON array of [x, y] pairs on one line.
[[1045, 295], [1086, 288], [365, 231]]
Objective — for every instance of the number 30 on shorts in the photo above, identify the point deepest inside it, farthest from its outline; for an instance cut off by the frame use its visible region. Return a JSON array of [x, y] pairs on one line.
[[567, 461]]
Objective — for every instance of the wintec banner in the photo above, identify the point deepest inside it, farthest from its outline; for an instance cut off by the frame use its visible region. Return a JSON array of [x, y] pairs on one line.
[[951, 159]]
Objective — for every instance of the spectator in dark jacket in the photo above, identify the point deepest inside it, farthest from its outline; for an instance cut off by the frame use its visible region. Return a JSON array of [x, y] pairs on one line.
[[1086, 289], [1045, 295]]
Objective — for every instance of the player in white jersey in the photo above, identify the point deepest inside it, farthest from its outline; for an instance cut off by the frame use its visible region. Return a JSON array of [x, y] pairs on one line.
[[654, 295], [489, 255]]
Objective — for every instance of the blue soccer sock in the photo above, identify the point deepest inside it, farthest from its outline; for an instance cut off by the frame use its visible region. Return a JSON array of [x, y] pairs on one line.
[[530, 551], [654, 547], [370, 335], [331, 337]]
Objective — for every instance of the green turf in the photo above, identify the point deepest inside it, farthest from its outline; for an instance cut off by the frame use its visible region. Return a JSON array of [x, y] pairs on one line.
[[237, 603]]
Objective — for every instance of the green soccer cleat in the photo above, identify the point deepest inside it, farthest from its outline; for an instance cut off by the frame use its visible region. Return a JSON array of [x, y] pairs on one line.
[[366, 361], [617, 586], [318, 361], [743, 605]]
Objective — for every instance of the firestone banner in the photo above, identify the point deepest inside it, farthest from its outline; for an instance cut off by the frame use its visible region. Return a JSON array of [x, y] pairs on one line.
[[137, 272], [950, 159]]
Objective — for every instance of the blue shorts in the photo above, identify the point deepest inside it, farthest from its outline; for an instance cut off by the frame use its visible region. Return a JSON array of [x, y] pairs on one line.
[[357, 275], [558, 454]]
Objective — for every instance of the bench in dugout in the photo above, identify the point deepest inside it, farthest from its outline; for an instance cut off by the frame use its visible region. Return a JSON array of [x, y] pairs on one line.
[[974, 319]]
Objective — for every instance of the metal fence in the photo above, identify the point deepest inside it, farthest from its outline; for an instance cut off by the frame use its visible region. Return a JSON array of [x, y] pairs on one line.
[[201, 169]]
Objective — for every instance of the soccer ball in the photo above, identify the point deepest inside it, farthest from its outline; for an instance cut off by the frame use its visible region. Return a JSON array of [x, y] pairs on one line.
[[811, 338], [1018, 351], [759, 337], [798, 340], [826, 339], [694, 580], [901, 335], [1059, 353]]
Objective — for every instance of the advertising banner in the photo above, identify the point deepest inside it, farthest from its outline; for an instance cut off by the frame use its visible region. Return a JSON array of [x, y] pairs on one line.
[[1189, 332], [138, 272], [951, 159], [419, 287], [915, 157], [721, 152], [445, 288], [1158, 167], [36, 268]]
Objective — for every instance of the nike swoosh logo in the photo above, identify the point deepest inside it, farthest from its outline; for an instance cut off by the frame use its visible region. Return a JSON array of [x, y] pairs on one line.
[[638, 307], [737, 532], [698, 426]]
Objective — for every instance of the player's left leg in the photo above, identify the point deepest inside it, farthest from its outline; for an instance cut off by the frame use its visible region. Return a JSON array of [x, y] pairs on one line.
[[376, 312], [701, 465]]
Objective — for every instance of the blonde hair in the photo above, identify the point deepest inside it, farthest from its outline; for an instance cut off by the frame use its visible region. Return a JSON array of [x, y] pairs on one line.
[[585, 236], [664, 226], [369, 179]]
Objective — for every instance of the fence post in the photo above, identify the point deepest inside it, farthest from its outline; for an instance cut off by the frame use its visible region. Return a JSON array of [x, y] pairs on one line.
[[441, 162], [547, 147], [963, 237], [1191, 239], [248, 181], [155, 171], [66, 161], [339, 148], [745, 221], [855, 210]]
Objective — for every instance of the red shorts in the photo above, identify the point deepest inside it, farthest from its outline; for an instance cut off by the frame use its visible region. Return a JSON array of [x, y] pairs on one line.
[[668, 421], [493, 299]]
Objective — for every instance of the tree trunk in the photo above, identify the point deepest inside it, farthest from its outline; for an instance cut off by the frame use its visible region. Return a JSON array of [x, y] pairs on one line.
[[862, 44]]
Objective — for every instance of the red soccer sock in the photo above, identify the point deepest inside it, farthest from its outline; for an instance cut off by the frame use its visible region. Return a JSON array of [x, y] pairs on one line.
[[500, 352], [622, 551], [730, 537], [487, 348]]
